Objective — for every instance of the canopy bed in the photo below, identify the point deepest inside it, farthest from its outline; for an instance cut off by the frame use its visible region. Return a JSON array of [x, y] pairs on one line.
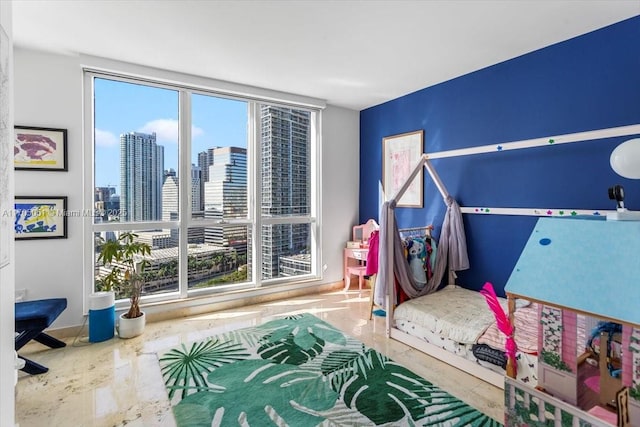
[[414, 323], [452, 324]]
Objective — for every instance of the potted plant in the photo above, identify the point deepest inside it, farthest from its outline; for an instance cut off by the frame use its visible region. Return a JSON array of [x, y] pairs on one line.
[[125, 259]]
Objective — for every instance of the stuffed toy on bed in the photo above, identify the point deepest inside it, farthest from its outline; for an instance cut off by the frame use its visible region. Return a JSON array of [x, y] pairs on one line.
[[416, 255]]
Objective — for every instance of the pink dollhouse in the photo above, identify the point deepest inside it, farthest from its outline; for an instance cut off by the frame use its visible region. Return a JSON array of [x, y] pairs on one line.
[[589, 331]]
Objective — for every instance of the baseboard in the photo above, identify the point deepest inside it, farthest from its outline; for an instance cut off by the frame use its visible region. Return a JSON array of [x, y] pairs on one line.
[[209, 305], [68, 332]]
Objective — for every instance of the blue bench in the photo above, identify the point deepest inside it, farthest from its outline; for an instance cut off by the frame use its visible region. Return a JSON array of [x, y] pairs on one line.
[[32, 318]]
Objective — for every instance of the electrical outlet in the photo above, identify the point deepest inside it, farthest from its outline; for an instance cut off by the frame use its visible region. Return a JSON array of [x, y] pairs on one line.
[[21, 295]]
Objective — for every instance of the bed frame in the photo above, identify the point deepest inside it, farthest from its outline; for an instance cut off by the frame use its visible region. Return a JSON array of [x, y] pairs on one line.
[[461, 363], [472, 368]]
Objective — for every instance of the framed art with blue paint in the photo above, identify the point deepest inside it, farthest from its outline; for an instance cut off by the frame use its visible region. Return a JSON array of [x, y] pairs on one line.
[[39, 148], [40, 217]]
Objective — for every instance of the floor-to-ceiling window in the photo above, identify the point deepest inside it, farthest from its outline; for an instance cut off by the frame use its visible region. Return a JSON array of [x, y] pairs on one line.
[[223, 188]]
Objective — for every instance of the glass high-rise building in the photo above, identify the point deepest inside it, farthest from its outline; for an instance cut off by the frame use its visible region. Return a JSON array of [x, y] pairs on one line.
[[170, 196], [225, 197], [196, 189], [170, 204], [286, 185], [205, 159], [106, 204], [141, 177]]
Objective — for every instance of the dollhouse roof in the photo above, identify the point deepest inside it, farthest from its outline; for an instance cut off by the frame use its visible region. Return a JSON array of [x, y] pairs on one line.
[[587, 265]]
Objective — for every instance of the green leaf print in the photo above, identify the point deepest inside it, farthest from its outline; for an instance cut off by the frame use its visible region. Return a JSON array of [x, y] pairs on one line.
[[305, 329], [185, 369], [340, 362], [196, 410], [279, 386], [387, 392], [287, 351]]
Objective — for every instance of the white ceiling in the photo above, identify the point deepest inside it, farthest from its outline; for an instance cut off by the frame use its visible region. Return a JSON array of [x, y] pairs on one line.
[[354, 54]]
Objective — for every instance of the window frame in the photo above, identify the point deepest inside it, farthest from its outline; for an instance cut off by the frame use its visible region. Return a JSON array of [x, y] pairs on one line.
[[254, 220]]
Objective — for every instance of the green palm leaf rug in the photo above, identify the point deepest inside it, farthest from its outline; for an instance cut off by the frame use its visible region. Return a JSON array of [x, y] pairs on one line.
[[301, 371]]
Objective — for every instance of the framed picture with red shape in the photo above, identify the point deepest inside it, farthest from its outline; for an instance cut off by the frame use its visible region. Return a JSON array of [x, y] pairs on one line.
[[401, 154], [39, 148]]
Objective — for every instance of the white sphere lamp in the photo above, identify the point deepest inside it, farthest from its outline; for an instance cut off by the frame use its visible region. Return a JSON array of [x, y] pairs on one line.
[[625, 159]]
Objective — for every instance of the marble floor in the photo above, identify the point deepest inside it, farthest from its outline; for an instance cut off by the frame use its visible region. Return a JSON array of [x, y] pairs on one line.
[[118, 382]]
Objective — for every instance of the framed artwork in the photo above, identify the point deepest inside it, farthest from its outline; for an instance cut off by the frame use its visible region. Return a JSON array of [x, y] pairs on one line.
[[40, 149], [400, 154], [40, 217]]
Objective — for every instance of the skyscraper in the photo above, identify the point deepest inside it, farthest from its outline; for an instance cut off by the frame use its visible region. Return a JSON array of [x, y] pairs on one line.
[[205, 159], [141, 170], [106, 204], [170, 196], [286, 183], [197, 193], [225, 197], [170, 201], [196, 234]]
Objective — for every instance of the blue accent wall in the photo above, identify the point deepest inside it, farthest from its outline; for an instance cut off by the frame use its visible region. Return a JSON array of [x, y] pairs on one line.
[[586, 83]]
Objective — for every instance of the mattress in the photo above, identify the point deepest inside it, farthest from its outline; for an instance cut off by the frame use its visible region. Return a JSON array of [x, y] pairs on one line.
[[526, 323], [455, 319], [454, 313], [527, 364]]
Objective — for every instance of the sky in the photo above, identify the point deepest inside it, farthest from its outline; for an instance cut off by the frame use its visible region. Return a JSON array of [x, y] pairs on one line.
[[125, 107]]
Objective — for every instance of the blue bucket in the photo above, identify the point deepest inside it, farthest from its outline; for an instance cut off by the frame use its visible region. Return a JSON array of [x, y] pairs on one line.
[[102, 316]]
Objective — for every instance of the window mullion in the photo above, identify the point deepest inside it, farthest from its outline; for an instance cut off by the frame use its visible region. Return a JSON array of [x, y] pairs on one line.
[[316, 190], [255, 191], [184, 185], [88, 192]]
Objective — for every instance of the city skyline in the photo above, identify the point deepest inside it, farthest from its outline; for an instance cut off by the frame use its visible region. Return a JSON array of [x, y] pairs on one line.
[[122, 108], [145, 162]]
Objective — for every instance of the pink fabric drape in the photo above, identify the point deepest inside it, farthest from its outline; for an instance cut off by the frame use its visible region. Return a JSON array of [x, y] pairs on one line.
[[372, 255], [502, 321]]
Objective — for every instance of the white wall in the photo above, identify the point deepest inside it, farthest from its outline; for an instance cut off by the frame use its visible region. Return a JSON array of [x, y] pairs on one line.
[[7, 358], [340, 185], [48, 93]]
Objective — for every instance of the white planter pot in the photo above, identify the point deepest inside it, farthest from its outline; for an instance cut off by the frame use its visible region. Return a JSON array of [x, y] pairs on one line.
[[129, 328]]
